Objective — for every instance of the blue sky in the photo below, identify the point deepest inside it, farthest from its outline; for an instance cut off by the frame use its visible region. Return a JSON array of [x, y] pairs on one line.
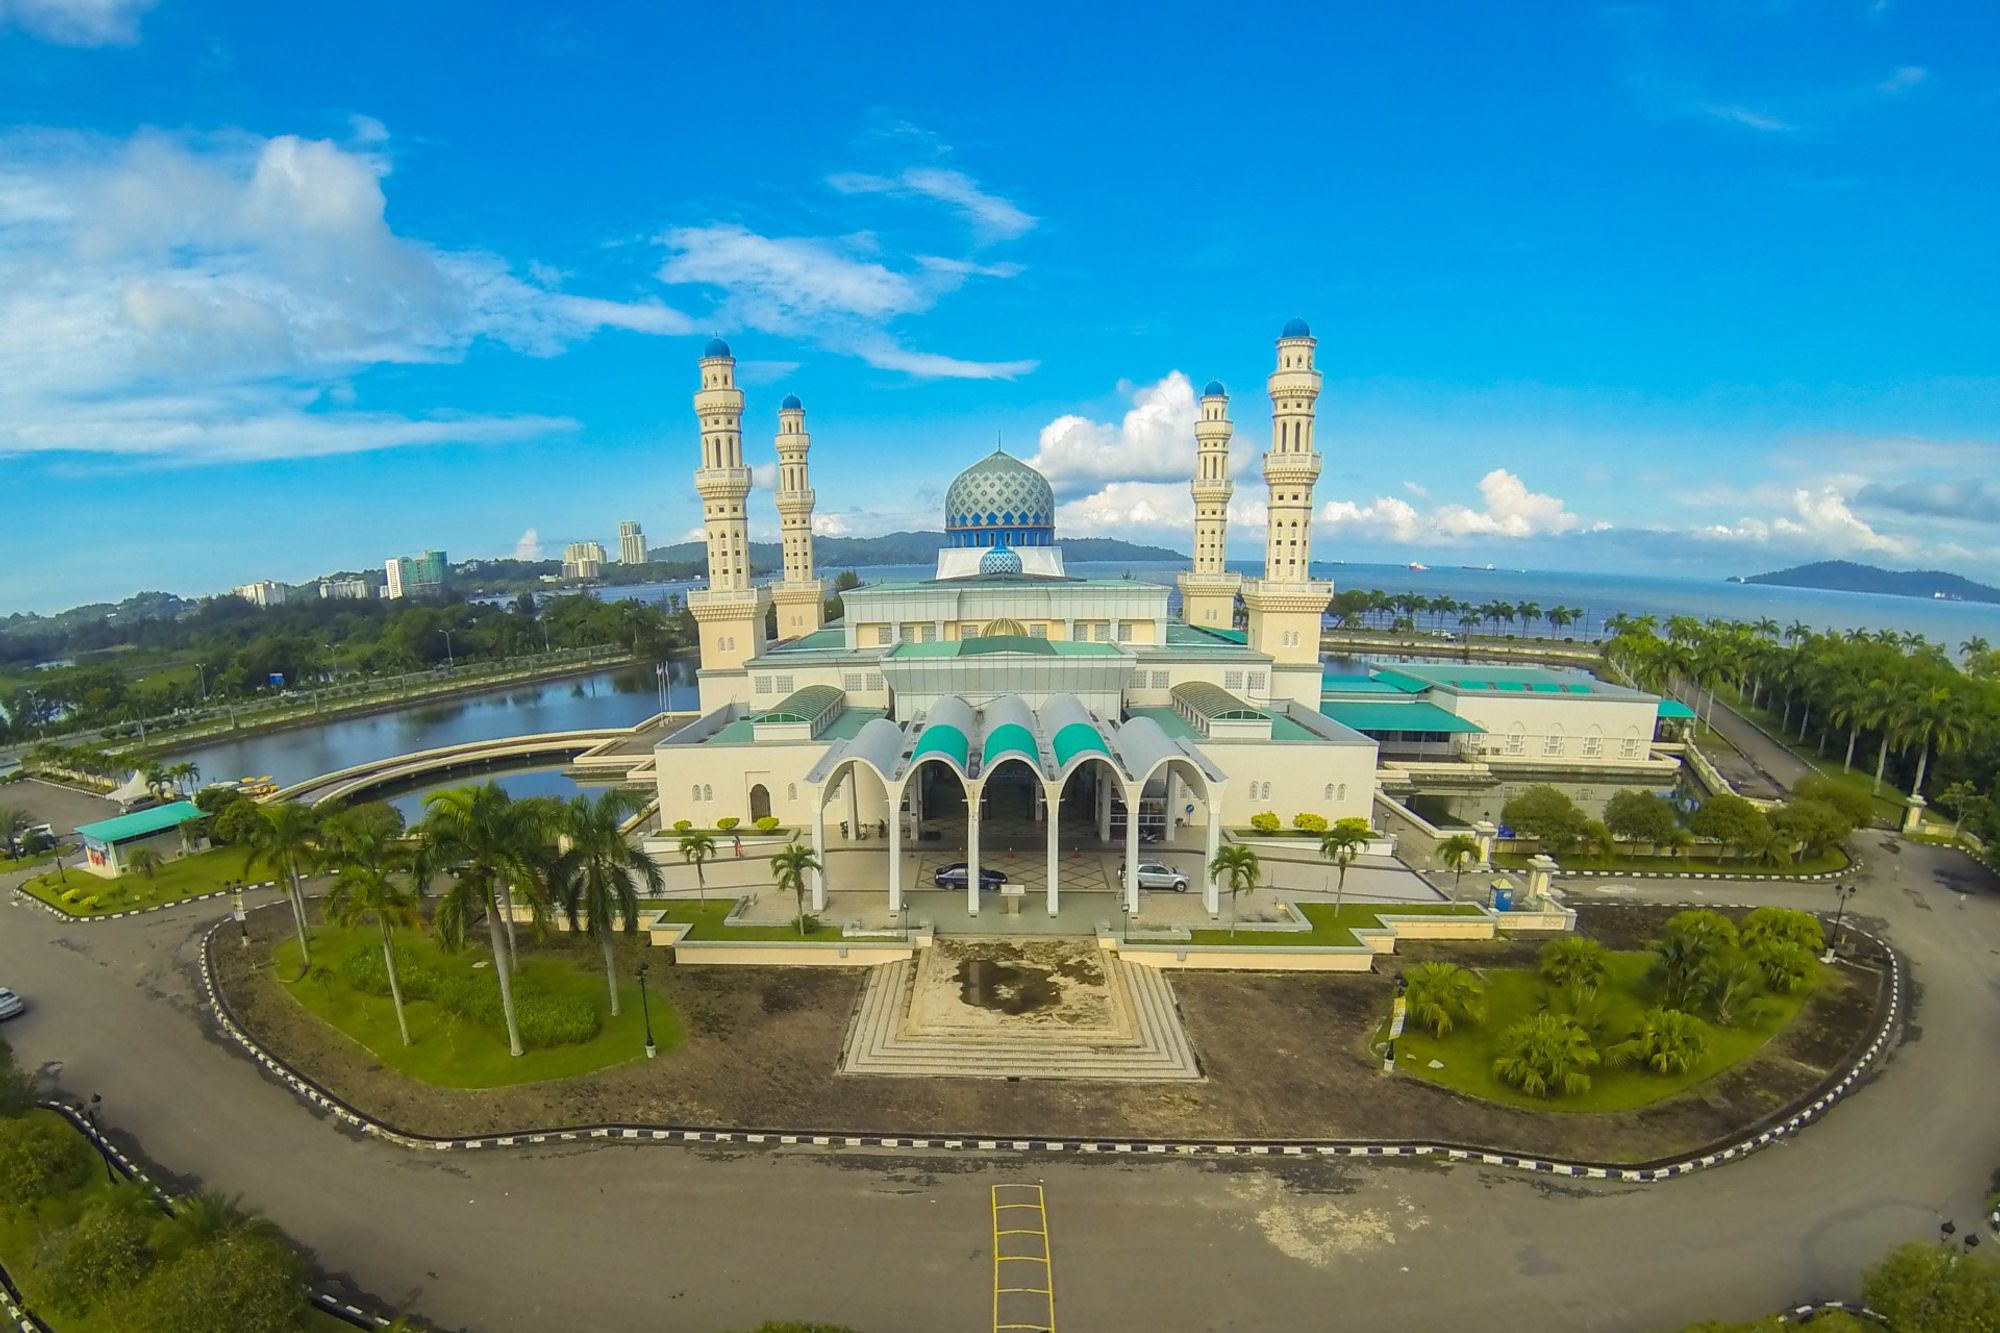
[[288, 289]]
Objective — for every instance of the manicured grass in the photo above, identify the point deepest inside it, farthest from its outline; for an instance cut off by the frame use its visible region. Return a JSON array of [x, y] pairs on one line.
[[1826, 862], [452, 1052], [1330, 927], [182, 877], [10, 864], [707, 919], [1513, 994]]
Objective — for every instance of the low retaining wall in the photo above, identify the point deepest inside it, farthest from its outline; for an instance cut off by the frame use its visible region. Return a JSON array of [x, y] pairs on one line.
[[95, 917]]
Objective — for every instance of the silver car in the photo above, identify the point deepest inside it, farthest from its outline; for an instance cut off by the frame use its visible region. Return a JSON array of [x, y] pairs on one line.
[[10, 1004], [1153, 875]]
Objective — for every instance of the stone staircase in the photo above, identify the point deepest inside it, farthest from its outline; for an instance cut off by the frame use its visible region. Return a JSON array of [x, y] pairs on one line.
[[1144, 1041]]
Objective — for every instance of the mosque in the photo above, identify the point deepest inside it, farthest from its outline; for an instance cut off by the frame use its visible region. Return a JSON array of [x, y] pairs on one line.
[[1004, 697]]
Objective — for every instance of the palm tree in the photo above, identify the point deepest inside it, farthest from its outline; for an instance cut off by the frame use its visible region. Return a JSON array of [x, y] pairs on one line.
[[1667, 1041], [285, 838], [146, 860], [789, 868], [1575, 965], [1440, 994], [696, 848], [1341, 845], [601, 873], [159, 780], [1975, 645], [1935, 720], [185, 774], [210, 1217], [1455, 851], [1545, 1055], [483, 838], [1235, 868], [371, 882], [1959, 796]]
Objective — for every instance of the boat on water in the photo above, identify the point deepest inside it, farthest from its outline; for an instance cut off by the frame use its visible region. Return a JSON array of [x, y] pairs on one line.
[[1946, 597], [1477, 569], [1416, 568]]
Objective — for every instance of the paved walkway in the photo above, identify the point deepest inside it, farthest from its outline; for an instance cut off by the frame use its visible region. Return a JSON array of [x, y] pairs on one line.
[[619, 1237]]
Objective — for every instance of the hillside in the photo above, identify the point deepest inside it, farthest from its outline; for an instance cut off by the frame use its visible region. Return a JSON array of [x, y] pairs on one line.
[[1847, 576], [907, 548]]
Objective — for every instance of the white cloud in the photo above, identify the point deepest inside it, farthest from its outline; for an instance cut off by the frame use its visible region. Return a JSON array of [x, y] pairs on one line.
[[255, 276], [77, 22], [887, 354], [764, 476], [529, 547], [992, 217], [367, 130], [1154, 441], [1749, 117], [1904, 79], [1156, 510], [1820, 521], [829, 525], [1511, 511]]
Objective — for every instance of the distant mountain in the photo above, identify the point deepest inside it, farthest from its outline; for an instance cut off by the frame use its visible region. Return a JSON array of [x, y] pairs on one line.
[[1846, 576], [906, 548]]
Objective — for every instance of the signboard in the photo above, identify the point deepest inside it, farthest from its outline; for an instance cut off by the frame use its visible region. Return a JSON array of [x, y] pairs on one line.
[[276, 680]]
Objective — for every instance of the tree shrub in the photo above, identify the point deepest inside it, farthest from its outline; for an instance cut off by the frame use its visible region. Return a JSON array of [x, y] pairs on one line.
[[1440, 995], [683, 825], [17, 1086], [1732, 821], [107, 1250], [1668, 1041], [1575, 965], [246, 1284], [39, 1156], [1307, 822], [1922, 1288], [727, 822], [1640, 816], [1265, 821], [1547, 814], [766, 823], [1810, 826], [1858, 806], [1785, 925], [1546, 1055]]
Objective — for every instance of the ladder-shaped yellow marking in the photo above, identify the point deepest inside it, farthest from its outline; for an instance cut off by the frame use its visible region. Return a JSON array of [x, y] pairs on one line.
[[1023, 1295]]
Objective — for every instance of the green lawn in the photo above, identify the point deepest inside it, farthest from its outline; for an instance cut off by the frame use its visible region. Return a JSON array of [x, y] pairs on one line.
[[1330, 927], [1832, 859], [453, 1052], [8, 865], [182, 877], [22, 1231], [707, 918], [1513, 994]]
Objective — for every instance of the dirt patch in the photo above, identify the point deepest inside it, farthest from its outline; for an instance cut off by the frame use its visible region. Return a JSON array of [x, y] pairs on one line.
[[762, 1047]]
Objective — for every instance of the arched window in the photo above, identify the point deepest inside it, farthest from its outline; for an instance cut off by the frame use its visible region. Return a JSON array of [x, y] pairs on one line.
[[697, 791], [707, 792], [1329, 791], [791, 791], [1343, 792]]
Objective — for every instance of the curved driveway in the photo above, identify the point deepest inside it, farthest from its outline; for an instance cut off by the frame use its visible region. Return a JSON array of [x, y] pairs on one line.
[[617, 1237]]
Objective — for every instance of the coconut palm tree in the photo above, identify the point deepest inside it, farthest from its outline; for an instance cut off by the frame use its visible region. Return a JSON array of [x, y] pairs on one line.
[[1667, 1041], [696, 848], [1545, 1055], [211, 1217], [1455, 852], [601, 874], [1575, 965], [482, 838], [1235, 868], [1937, 720], [1438, 995], [789, 868], [1342, 845], [159, 780], [185, 774], [371, 882], [285, 840]]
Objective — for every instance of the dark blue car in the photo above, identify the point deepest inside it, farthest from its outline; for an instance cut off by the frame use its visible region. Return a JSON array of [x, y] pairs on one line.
[[953, 877]]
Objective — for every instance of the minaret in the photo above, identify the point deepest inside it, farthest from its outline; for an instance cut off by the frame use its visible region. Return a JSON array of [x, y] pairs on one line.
[[1287, 603], [1208, 593], [730, 612], [800, 597]]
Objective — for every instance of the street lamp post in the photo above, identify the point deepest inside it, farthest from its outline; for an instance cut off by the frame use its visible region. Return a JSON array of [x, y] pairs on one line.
[[1841, 894], [242, 917], [660, 676], [646, 1009], [448, 661]]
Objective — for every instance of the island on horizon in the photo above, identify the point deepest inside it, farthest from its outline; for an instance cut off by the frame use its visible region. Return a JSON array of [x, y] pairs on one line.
[[1850, 576]]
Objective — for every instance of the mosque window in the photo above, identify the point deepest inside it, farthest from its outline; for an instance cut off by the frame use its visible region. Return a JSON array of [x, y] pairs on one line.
[[1100, 632], [851, 681], [882, 633], [1232, 680], [1256, 681], [874, 680], [697, 791], [791, 791], [707, 792], [1159, 680], [1341, 792], [1124, 632], [783, 683], [928, 634], [762, 684], [1593, 744], [1329, 791], [1629, 747], [1517, 740], [1038, 630], [1552, 744]]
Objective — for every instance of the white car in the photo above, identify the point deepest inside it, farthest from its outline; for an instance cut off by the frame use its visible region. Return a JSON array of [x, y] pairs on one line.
[[1153, 875], [10, 1004]]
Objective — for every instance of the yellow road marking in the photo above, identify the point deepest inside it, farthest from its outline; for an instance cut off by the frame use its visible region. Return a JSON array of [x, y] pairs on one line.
[[1036, 1300]]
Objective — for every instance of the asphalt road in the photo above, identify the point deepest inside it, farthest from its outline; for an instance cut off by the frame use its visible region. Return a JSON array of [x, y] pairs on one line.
[[626, 1237]]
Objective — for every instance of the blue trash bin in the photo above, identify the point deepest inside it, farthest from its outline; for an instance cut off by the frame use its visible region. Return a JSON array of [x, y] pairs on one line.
[[1503, 900]]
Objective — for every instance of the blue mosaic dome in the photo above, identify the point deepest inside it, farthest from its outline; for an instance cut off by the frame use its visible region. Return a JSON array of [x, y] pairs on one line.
[[1001, 559], [1000, 501], [1215, 390], [791, 403], [1296, 328], [716, 347]]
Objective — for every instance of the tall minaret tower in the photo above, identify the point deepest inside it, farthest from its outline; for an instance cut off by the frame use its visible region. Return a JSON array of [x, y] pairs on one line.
[[1208, 592], [801, 598], [730, 612], [1286, 604]]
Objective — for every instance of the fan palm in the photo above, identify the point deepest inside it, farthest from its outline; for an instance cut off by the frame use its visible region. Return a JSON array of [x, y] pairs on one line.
[[1342, 845], [285, 838], [601, 873], [696, 848], [1235, 868], [1667, 1041], [210, 1217], [1440, 994], [1455, 851], [1545, 1055], [789, 868], [146, 860], [185, 774], [1575, 964], [371, 883]]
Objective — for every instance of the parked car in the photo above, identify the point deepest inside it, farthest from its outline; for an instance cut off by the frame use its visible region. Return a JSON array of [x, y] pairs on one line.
[[1153, 875], [953, 877], [10, 1004]]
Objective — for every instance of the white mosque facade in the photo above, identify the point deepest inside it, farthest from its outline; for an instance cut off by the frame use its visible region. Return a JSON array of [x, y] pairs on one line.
[[1005, 692]]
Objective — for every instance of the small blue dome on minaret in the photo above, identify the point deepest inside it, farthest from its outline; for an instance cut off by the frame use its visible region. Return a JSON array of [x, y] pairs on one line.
[[1215, 390], [716, 347], [1296, 328], [791, 404], [1001, 559]]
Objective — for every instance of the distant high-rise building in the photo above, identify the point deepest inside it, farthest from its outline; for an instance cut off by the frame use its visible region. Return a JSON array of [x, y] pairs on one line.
[[347, 587], [263, 593], [415, 575], [631, 543], [583, 560]]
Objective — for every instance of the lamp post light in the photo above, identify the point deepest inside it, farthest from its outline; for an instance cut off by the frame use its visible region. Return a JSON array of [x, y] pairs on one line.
[[1842, 893], [646, 1009], [448, 661], [235, 887], [660, 677]]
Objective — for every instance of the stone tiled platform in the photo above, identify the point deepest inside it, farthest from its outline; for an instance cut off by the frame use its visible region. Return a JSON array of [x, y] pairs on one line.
[[1063, 1009]]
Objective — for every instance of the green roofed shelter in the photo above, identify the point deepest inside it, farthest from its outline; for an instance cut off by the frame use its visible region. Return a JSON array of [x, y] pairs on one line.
[[806, 705], [1009, 738], [1075, 739], [1214, 702], [108, 842], [1411, 715], [942, 738], [1675, 710]]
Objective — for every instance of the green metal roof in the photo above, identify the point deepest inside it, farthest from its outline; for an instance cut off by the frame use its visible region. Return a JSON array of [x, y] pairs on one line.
[[1484, 678], [1075, 739], [1005, 739], [140, 822], [806, 705], [1004, 643], [820, 640], [1179, 632], [945, 739], [1674, 708], [1214, 702], [1372, 715], [1358, 685]]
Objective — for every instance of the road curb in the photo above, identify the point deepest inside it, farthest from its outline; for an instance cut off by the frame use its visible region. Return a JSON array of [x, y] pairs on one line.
[[1663, 1169], [94, 919], [1854, 867]]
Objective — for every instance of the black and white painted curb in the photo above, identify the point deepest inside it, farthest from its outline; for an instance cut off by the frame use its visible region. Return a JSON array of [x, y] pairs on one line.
[[333, 1305], [18, 1317], [1805, 1314], [92, 918], [1749, 877], [1665, 1169]]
